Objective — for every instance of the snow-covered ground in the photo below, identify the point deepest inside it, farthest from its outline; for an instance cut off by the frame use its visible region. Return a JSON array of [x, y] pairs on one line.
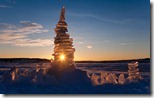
[[88, 78]]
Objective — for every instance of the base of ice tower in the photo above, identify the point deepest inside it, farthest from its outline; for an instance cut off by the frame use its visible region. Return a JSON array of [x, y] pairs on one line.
[[58, 69], [70, 76]]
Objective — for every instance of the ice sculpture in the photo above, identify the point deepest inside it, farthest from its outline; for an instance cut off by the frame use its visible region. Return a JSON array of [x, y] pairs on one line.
[[94, 79], [102, 80], [63, 50], [121, 79], [104, 74], [103, 77], [112, 79], [133, 72], [114, 76], [12, 74], [37, 68]]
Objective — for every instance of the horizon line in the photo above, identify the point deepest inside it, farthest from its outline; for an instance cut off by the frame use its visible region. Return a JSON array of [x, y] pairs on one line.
[[82, 60]]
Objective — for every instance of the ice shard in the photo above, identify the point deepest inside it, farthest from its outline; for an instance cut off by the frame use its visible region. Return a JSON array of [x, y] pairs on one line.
[[112, 79], [94, 79], [121, 79], [12, 74]]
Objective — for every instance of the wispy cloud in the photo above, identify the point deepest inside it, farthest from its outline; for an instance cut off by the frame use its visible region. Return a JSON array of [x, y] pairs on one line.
[[121, 21], [28, 42], [33, 42], [81, 42], [18, 35], [26, 27], [6, 26], [122, 44], [11, 36], [89, 47], [103, 41], [7, 3], [5, 6]]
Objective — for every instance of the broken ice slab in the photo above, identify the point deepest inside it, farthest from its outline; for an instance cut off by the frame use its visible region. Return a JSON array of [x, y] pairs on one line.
[[121, 79]]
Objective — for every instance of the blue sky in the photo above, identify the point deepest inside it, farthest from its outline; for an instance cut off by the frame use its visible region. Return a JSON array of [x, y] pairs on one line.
[[101, 29]]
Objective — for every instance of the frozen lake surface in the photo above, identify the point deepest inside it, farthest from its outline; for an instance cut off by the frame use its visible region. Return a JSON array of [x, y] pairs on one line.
[[97, 78]]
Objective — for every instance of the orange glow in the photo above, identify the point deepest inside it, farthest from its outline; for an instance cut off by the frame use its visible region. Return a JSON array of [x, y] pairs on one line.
[[62, 57]]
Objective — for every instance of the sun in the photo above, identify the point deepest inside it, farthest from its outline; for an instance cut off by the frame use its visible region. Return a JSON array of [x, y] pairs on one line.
[[62, 57]]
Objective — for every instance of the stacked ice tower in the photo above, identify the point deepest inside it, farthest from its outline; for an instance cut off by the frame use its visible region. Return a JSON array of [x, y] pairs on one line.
[[133, 72], [63, 50]]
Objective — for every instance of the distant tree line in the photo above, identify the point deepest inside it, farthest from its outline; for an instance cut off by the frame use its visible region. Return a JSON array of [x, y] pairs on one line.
[[39, 60], [145, 60], [24, 60]]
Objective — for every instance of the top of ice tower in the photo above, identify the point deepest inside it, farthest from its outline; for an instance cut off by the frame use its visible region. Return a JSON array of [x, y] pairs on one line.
[[62, 15]]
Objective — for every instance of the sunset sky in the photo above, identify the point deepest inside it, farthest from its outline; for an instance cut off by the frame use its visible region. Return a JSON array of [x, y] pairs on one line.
[[101, 29]]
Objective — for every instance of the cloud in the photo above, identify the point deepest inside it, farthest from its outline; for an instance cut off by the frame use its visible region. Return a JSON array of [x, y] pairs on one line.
[[26, 27], [122, 44], [98, 42], [89, 47], [122, 21], [28, 42], [18, 35], [5, 6], [33, 43], [7, 3], [6, 26], [11, 36], [30, 24], [80, 42]]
